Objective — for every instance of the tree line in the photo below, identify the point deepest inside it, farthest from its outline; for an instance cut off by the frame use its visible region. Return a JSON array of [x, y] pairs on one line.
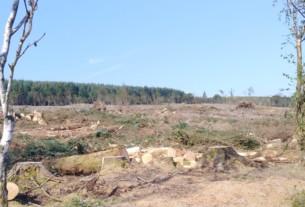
[[36, 93]]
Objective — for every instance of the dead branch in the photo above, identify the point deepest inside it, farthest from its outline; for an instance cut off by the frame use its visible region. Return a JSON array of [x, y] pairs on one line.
[[43, 190], [44, 182]]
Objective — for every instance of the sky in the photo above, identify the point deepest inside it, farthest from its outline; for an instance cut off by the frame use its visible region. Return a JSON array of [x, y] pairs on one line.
[[195, 46]]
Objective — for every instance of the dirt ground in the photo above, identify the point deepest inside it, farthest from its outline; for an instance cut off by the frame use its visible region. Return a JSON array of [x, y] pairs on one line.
[[161, 184]]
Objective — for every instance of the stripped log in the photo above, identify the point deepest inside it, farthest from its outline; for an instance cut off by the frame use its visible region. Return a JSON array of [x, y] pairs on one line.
[[85, 164]]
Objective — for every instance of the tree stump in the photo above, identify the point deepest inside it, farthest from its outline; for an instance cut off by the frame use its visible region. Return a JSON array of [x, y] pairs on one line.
[[224, 158]]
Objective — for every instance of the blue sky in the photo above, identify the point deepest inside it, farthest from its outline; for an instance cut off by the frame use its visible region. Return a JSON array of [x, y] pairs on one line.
[[194, 45]]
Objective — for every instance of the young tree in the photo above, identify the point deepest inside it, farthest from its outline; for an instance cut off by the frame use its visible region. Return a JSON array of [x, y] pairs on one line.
[[250, 91], [11, 29], [294, 13]]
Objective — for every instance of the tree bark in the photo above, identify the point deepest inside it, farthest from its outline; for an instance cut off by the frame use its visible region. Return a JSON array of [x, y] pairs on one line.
[[8, 131]]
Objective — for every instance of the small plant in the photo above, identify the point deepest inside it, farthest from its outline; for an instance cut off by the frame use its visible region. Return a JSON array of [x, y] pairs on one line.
[[102, 133], [249, 143], [299, 200], [181, 125], [75, 202]]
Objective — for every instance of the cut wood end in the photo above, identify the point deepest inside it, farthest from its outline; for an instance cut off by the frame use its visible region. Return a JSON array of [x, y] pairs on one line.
[[147, 158], [13, 190]]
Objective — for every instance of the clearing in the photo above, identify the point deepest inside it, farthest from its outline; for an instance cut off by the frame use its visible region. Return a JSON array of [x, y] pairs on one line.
[[269, 173]]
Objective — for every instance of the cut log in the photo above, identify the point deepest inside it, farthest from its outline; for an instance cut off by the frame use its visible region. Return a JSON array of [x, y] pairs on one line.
[[259, 159], [248, 154], [171, 152], [146, 158], [113, 162], [133, 151], [38, 117], [189, 156], [156, 152], [12, 189], [269, 154], [189, 164], [84, 164], [178, 161]]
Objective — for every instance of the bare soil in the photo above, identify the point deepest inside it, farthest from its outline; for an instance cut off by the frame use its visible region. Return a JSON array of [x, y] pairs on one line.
[[159, 183]]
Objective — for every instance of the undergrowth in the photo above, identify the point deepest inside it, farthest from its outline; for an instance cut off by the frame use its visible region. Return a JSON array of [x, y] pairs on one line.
[[191, 136], [48, 148]]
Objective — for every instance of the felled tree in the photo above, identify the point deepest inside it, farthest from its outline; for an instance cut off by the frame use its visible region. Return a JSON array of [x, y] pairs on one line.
[[24, 26]]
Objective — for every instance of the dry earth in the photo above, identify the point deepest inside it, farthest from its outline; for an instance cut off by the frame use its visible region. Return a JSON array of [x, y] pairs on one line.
[[160, 184]]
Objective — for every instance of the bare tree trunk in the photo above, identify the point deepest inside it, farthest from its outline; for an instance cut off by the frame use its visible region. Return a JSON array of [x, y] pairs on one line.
[[7, 135]]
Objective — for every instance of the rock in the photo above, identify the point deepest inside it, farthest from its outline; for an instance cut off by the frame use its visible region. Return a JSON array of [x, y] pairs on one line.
[[146, 158]]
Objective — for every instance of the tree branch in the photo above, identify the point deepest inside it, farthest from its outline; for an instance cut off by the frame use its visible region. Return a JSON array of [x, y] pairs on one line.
[[31, 44], [297, 9], [5, 51], [27, 28]]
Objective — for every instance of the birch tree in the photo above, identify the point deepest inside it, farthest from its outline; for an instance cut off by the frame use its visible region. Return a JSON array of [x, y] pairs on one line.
[[13, 27], [294, 13]]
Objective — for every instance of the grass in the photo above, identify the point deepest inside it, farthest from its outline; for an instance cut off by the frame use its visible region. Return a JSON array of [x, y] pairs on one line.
[[299, 200], [76, 202]]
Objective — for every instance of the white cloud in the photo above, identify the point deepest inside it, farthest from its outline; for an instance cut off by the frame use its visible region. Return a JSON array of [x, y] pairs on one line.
[[94, 61]]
